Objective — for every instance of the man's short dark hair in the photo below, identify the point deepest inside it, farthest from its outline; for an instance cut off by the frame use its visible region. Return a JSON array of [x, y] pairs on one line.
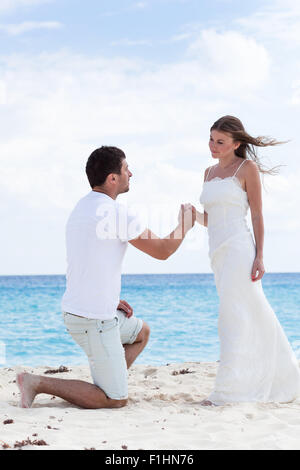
[[102, 162]]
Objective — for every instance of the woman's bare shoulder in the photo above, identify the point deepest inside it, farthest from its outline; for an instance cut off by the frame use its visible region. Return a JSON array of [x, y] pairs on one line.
[[209, 168], [251, 168]]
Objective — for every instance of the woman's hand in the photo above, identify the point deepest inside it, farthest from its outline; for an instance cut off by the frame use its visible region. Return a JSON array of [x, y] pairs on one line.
[[258, 267], [126, 308], [187, 217], [201, 218]]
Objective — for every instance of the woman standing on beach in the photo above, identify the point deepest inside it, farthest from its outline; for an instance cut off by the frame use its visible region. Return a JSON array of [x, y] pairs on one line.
[[257, 363]]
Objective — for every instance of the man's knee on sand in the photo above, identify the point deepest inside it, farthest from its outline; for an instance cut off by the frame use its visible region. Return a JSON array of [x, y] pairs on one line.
[[101, 402], [117, 403], [144, 334], [142, 337]]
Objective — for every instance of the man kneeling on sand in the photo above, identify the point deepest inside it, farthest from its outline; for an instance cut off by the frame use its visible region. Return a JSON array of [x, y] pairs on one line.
[[97, 235]]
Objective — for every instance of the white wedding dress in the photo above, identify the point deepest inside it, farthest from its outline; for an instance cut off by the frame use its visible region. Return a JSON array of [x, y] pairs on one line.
[[257, 363]]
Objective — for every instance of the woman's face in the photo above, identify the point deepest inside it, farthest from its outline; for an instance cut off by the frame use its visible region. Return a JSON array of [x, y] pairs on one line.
[[221, 144]]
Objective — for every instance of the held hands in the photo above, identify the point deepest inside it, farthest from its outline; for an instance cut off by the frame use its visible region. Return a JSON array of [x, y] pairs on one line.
[[125, 308], [187, 217], [258, 266]]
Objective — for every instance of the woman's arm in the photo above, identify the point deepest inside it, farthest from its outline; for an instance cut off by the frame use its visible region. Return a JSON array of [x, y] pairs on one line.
[[202, 218], [253, 188]]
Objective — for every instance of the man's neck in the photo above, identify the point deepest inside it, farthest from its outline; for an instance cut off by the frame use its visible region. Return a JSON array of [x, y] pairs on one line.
[[111, 194]]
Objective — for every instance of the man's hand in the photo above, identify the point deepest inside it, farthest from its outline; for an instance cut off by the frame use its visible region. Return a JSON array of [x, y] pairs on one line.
[[126, 308], [187, 217]]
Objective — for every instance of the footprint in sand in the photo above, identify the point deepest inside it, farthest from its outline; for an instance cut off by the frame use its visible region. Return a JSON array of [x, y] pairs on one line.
[[149, 372]]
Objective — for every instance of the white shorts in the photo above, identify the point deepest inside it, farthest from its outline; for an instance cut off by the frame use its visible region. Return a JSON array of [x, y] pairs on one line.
[[102, 342]]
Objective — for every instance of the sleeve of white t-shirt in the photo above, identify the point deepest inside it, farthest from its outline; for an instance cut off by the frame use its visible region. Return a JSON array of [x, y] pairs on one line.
[[131, 223]]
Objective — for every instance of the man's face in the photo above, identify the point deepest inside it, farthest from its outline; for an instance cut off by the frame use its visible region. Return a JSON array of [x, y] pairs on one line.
[[124, 177]]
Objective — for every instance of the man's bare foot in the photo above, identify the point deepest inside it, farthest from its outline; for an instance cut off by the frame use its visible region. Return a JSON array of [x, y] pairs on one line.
[[27, 385]]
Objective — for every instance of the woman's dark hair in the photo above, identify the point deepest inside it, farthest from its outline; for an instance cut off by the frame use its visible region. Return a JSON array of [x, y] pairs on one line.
[[235, 128], [102, 162]]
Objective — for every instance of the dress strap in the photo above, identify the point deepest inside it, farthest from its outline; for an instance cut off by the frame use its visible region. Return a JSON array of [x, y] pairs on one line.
[[239, 167], [208, 173]]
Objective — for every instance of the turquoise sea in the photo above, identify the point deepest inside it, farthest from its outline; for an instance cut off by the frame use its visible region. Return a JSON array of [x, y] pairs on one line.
[[181, 309]]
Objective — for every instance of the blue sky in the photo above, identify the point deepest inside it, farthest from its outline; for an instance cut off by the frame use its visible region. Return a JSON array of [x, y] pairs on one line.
[[95, 25], [150, 77]]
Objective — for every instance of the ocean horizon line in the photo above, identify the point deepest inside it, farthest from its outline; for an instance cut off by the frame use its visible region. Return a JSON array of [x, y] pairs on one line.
[[142, 274]]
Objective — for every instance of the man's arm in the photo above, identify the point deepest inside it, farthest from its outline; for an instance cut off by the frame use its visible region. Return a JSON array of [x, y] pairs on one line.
[[163, 248]]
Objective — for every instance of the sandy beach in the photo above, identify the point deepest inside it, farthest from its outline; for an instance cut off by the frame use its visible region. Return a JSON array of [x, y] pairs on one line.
[[163, 413]]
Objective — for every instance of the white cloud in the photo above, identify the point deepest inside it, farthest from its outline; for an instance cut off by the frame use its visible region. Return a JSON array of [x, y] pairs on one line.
[[2, 92], [181, 37], [276, 25], [231, 56], [59, 107], [279, 20], [140, 5], [295, 99], [282, 201], [131, 43], [7, 5], [27, 26]]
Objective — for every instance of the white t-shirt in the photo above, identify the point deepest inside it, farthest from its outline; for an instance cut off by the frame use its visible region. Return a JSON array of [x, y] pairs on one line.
[[97, 235]]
